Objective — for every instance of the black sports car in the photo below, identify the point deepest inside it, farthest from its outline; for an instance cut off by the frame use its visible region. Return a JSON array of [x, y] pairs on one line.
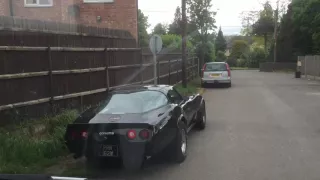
[[135, 123]]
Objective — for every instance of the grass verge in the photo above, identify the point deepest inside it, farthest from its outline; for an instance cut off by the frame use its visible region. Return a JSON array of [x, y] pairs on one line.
[[28, 149], [243, 68], [192, 87]]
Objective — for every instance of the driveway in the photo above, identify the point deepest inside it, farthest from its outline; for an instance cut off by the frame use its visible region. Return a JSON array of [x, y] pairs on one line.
[[266, 126]]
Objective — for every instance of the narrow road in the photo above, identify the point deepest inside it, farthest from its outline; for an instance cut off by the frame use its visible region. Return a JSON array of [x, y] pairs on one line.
[[266, 126]]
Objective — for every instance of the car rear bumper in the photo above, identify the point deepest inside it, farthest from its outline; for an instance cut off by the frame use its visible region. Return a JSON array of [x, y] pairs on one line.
[[217, 80]]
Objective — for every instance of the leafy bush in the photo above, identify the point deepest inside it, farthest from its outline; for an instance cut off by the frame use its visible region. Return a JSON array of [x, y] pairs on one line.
[[173, 41]]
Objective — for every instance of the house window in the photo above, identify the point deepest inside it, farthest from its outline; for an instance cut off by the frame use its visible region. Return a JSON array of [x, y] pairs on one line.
[[98, 1], [38, 3]]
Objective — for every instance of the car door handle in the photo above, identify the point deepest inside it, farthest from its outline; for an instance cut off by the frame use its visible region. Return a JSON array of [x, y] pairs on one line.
[[160, 114]]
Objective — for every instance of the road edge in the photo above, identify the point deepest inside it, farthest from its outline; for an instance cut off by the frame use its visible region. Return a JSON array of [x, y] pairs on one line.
[[201, 91]]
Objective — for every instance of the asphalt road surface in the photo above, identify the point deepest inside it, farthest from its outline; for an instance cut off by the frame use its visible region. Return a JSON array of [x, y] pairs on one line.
[[266, 126]]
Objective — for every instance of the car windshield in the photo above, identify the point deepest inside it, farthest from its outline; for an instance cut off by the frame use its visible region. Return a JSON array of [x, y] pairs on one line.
[[133, 102], [216, 67]]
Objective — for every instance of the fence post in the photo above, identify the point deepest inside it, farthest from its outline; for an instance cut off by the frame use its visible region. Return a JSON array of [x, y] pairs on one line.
[[106, 65], [169, 76], [314, 66], [305, 67], [141, 66], [50, 79], [158, 73]]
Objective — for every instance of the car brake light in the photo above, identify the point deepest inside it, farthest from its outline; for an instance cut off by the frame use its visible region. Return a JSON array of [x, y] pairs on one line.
[[144, 134], [131, 134], [228, 69], [203, 68], [84, 134]]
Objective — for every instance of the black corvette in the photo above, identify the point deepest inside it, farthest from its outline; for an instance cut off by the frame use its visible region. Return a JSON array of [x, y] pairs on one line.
[[135, 123]]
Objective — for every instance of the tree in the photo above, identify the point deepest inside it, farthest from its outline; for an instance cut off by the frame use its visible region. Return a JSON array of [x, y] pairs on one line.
[[239, 49], [203, 18], [142, 26], [175, 26], [247, 19], [264, 26], [221, 43], [221, 56], [173, 41], [159, 29]]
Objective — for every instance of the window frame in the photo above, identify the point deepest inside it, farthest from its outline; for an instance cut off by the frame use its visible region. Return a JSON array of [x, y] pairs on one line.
[[174, 90], [38, 4], [98, 1]]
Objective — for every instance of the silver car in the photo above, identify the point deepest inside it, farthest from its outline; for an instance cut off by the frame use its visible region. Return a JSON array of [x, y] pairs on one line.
[[216, 73]]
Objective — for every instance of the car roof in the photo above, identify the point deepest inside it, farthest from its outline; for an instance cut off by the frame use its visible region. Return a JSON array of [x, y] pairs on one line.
[[131, 88], [216, 63]]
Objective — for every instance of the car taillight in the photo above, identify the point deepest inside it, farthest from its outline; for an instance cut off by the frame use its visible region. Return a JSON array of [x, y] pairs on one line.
[[144, 134], [228, 69], [203, 68], [84, 134], [131, 134], [77, 135]]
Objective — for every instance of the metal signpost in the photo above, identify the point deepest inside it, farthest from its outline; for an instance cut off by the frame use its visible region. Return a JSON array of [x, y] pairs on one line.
[[155, 45]]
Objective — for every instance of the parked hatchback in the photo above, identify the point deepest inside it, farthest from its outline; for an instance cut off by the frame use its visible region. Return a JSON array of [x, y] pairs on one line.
[[216, 73]]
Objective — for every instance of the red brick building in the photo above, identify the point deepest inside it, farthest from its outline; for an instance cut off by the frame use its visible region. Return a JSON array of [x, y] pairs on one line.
[[116, 14]]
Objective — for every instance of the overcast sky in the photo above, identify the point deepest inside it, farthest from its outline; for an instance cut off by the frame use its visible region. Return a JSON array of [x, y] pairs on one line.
[[228, 12]]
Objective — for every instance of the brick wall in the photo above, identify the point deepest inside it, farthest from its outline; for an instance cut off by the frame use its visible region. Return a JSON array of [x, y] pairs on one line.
[[4, 8], [122, 14]]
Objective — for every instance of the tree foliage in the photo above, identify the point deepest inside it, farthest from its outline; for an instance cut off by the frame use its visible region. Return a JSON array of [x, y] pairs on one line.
[[160, 29], [175, 26], [299, 32], [239, 49], [264, 26], [142, 27], [202, 17], [173, 41], [221, 43]]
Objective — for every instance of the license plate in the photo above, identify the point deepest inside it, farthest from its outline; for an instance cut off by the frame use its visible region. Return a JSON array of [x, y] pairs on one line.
[[109, 151], [214, 75]]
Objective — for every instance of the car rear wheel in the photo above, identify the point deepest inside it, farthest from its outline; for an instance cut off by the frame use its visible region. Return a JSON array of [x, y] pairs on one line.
[[229, 84], [202, 119], [178, 148]]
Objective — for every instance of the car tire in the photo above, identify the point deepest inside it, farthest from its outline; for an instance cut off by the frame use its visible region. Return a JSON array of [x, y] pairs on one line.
[[202, 118], [179, 145], [229, 85]]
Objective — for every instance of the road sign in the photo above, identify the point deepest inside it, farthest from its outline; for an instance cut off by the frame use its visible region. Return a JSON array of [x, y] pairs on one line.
[[155, 44]]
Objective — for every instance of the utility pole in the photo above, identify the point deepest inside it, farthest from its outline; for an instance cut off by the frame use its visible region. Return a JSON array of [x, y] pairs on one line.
[[184, 42], [275, 33]]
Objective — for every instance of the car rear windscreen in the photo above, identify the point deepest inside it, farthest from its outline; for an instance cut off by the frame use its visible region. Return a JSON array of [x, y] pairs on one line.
[[133, 102], [216, 67]]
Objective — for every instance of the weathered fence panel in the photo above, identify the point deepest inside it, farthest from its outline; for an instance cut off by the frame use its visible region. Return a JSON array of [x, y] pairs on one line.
[[310, 66], [277, 66], [42, 80], [49, 66]]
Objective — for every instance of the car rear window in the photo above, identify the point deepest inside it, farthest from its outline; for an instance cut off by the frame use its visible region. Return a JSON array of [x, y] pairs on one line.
[[134, 102], [216, 67]]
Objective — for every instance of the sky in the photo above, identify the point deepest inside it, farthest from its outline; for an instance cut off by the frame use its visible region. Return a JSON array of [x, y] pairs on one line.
[[228, 12]]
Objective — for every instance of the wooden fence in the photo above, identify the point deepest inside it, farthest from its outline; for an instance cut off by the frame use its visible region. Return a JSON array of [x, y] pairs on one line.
[[39, 80]]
